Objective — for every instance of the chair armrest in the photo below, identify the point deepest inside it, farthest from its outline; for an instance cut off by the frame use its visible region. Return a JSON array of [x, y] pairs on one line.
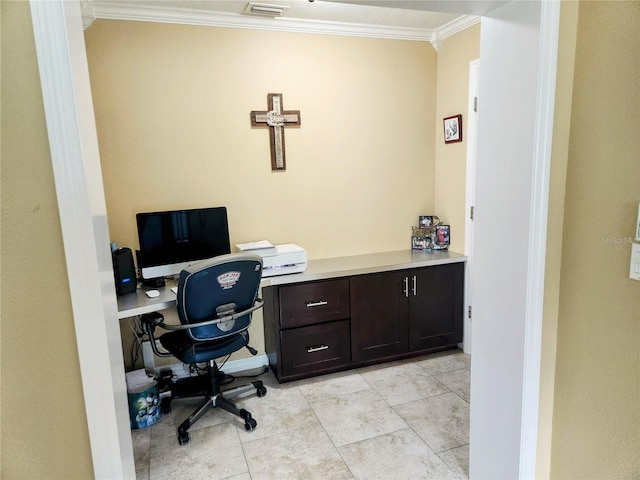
[[152, 319], [149, 322]]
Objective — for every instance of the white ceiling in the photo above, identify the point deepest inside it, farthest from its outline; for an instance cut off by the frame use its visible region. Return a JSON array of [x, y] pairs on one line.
[[403, 19]]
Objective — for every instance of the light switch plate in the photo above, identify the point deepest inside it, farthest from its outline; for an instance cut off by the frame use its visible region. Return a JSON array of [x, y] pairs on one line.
[[638, 225], [634, 269]]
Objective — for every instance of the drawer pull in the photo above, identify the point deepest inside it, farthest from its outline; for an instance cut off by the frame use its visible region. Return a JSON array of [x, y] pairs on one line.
[[317, 304], [317, 349]]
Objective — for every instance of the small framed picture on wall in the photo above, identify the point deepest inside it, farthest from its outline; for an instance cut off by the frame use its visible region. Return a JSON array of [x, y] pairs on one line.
[[453, 129]]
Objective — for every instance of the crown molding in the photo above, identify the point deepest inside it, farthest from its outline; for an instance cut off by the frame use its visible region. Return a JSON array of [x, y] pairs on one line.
[[148, 13], [459, 24]]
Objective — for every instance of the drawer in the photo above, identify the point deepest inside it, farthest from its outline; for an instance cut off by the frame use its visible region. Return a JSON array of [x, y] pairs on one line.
[[315, 348], [314, 302]]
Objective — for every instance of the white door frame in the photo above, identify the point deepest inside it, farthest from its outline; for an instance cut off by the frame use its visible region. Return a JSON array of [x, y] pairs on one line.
[[470, 187], [73, 142], [58, 31]]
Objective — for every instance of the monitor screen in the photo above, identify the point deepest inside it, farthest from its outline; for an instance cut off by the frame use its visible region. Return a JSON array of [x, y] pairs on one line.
[[172, 240]]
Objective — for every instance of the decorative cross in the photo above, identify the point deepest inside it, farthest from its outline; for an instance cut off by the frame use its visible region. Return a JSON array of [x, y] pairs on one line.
[[276, 119]]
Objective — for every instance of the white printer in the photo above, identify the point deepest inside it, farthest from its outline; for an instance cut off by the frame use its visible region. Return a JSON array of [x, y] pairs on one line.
[[289, 258], [277, 259]]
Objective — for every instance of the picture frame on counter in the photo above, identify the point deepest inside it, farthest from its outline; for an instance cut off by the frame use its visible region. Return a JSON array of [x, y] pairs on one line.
[[427, 221], [442, 237]]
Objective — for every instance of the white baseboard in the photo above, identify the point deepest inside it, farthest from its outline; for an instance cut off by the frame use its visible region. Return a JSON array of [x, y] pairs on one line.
[[232, 366], [180, 371]]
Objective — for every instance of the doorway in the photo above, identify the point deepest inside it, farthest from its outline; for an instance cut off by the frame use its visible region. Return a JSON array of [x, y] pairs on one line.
[[106, 428]]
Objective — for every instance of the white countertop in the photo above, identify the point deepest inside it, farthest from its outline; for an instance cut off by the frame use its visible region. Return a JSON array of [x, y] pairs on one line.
[[370, 263], [137, 303]]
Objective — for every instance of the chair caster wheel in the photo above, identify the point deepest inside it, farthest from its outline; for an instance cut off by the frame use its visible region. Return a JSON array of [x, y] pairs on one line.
[[183, 438], [262, 391], [250, 424]]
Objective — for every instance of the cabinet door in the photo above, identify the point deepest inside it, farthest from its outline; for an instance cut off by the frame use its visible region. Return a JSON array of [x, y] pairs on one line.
[[378, 316], [435, 306]]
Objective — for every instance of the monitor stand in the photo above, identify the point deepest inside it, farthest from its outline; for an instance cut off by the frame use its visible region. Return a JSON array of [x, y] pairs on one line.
[[153, 282]]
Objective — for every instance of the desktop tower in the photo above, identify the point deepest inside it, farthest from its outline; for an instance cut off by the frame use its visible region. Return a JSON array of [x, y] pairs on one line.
[[124, 271]]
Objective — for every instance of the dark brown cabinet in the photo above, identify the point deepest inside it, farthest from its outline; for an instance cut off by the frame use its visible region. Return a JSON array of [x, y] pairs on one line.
[[379, 325], [398, 312], [436, 298], [329, 325], [306, 328]]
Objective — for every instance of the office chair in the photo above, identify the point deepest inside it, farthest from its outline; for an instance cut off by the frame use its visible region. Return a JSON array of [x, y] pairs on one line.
[[215, 301]]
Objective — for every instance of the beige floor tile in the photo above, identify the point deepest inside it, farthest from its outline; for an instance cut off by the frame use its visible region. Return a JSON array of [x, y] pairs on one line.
[[353, 417], [141, 440], [242, 476], [279, 411], [458, 460], [400, 455], [446, 362], [334, 384], [404, 383], [214, 452], [303, 424], [442, 421], [298, 454], [459, 381]]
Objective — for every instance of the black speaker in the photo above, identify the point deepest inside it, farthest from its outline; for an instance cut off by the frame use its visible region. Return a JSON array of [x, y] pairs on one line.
[[124, 271]]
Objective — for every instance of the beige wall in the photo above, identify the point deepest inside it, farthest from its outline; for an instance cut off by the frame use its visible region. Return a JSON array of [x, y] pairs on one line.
[[172, 106], [44, 427], [596, 413], [453, 94]]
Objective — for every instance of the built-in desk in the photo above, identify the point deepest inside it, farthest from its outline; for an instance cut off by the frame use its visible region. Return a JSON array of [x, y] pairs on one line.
[[137, 303], [350, 311], [353, 311]]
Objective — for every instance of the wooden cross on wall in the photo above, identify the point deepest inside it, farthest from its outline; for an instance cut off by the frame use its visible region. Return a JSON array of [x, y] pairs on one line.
[[276, 118]]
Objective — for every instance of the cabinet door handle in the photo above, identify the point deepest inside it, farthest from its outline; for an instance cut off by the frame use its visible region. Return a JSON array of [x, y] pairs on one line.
[[317, 348], [317, 304], [406, 287], [414, 286]]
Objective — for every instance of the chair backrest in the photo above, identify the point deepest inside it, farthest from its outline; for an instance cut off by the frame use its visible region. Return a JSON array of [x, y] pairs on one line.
[[207, 287]]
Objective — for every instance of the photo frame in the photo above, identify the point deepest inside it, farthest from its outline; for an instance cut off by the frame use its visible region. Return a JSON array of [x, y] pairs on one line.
[[428, 221], [425, 221], [453, 129], [442, 237]]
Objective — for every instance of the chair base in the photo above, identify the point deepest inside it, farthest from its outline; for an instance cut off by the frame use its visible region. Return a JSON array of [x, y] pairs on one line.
[[209, 386]]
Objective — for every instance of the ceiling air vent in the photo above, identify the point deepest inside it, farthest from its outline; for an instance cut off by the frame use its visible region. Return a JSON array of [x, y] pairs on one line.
[[265, 10]]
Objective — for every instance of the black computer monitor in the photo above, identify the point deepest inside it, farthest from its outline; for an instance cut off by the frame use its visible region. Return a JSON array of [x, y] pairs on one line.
[[172, 240]]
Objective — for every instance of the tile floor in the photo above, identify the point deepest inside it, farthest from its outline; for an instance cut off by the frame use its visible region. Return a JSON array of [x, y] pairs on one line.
[[399, 420]]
